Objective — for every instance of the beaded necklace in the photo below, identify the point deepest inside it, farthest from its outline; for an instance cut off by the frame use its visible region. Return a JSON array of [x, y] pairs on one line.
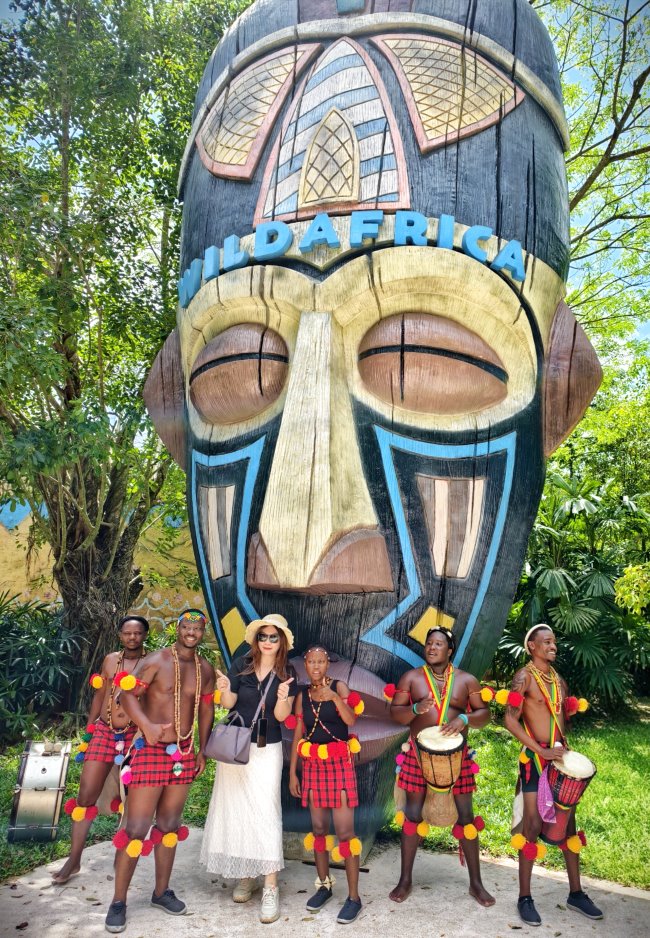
[[552, 695], [109, 705], [180, 738], [317, 719]]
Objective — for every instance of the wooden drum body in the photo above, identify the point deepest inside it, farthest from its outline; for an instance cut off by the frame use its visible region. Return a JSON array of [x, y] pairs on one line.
[[441, 757], [39, 792], [568, 779]]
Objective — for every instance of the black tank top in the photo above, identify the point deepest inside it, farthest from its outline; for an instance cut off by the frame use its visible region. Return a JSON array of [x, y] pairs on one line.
[[328, 716]]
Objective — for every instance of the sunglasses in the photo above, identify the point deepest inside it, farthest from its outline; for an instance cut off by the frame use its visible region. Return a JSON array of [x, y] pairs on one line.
[[263, 637]]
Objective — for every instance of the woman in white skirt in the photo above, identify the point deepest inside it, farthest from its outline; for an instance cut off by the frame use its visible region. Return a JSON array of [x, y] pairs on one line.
[[243, 831]]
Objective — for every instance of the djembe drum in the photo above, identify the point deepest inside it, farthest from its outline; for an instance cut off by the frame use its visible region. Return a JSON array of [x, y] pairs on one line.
[[568, 778], [441, 759]]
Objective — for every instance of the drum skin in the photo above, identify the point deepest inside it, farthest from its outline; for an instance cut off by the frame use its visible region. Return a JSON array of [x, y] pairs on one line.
[[39, 792]]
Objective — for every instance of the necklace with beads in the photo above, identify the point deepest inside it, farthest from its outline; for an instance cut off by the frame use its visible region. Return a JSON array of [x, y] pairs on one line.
[[119, 736], [181, 737], [553, 694]]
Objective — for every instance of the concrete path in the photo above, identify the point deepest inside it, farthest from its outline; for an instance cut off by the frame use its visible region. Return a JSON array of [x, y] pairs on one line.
[[439, 906]]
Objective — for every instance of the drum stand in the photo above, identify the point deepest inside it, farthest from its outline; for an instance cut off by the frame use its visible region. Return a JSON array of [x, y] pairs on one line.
[[38, 794]]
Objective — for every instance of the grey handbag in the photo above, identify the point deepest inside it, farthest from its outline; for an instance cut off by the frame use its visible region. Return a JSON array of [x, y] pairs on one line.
[[230, 742]]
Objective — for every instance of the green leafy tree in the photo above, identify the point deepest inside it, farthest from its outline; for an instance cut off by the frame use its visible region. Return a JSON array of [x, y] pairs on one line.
[[97, 99]]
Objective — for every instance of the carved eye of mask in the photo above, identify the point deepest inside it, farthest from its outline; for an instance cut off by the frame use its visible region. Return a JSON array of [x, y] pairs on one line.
[[239, 373], [431, 365]]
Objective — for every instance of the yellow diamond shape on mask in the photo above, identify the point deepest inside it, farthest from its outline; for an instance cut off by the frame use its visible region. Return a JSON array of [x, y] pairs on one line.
[[431, 619]]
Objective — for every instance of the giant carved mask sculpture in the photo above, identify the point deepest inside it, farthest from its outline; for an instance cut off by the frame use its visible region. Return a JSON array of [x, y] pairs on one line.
[[372, 357]]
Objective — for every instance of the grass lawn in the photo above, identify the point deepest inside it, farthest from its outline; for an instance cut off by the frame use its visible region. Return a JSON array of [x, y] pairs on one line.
[[613, 811]]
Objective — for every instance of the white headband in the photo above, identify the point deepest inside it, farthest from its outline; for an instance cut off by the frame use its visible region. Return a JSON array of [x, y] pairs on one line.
[[540, 625]]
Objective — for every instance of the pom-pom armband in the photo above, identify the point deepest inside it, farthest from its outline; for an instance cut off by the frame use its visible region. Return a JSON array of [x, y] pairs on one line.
[[126, 681], [96, 681], [530, 849], [78, 812], [135, 848]]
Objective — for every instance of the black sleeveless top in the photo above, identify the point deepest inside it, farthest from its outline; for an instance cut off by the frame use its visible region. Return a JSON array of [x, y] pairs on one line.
[[328, 716]]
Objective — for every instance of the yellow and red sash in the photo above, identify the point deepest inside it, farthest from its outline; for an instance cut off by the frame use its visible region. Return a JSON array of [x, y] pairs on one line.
[[441, 698]]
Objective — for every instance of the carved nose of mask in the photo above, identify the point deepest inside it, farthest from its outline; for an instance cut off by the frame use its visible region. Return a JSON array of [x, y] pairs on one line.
[[318, 530]]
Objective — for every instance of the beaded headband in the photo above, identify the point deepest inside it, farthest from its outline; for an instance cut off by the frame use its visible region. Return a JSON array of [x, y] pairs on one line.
[[191, 615]]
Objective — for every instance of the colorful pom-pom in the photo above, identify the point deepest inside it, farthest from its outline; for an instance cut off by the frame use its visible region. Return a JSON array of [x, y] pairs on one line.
[[501, 696], [79, 757], [155, 836], [355, 847], [291, 722], [120, 839], [582, 837], [487, 694], [541, 852], [91, 727], [170, 839], [570, 706], [119, 758], [353, 698], [171, 749], [126, 775], [344, 849], [518, 841], [183, 832], [574, 844], [359, 708], [479, 823], [128, 682], [115, 805], [322, 752], [400, 758], [134, 848], [523, 758], [336, 855], [457, 831], [410, 828], [399, 818], [147, 847], [529, 850], [139, 743], [515, 699], [78, 813], [83, 747], [96, 681], [309, 841], [118, 677], [320, 844], [470, 832], [217, 696], [583, 704], [86, 737], [423, 828], [389, 691], [354, 744], [70, 805], [474, 768], [92, 812]]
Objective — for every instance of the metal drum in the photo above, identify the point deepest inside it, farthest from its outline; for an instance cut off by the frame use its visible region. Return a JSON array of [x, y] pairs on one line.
[[39, 792]]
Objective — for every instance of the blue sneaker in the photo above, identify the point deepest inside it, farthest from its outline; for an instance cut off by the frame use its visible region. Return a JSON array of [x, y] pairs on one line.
[[319, 899], [116, 917], [527, 911], [350, 910], [580, 902], [169, 903]]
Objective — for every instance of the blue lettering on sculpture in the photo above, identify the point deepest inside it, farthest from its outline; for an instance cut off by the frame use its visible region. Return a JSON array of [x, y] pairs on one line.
[[272, 239], [511, 258], [364, 225], [321, 231], [410, 228], [233, 258], [470, 242], [211, 264], [446, 232]]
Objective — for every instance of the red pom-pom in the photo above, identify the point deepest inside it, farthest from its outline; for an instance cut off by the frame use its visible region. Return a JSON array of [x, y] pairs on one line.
[[479, 823], [121, 839], [353, 698], [183, 832], [389, 691], [457, 831], [118, 677], [529, 851], [291, 722], [344, 849], [515, 699], [583, 838], [115, 805], [320, 844], [90, 728], [92, 812], [562, 846], [147, 847], [409, 828], [474, 768], [155, 836], [570, 706], [70, 805]]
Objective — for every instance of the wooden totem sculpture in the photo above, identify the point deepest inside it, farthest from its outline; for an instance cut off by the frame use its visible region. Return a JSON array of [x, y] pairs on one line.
[[372, 357]]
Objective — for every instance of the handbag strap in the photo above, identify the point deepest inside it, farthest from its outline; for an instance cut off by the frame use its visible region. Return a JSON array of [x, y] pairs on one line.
[[263, 698]]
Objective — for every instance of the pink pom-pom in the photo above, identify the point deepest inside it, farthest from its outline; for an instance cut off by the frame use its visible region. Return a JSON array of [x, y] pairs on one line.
[[475, 768], [126, 776], [400, 758]]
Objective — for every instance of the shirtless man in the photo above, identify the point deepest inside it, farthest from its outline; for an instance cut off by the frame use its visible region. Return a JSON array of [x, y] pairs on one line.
[[108, 735], [416, 705], [175, 687], [543, 713]]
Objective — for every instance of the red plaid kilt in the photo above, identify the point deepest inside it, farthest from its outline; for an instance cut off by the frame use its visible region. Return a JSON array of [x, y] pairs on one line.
[[410, 776], [101, 747], [151, 767], [326, 779]]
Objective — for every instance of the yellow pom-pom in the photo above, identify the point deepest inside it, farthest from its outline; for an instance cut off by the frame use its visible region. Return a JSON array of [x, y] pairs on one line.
[[523, 758], [329, 842], [82, 747], [501, 696], [309, 841], [170, 840], [306, 750], [355, 846], [336, 855], [354, 744], [128, 682], [134, 848], [423, 829], [470, 832], [487, 694], [78, 813], [541, 851], [360, 707], [322, 751], [573, 843], [96, 681], [583, 705], [399, 818], [217, 696], [518, 841], [121, 808]]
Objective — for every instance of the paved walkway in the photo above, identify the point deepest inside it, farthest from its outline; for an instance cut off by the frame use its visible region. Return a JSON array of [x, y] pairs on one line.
[[439, 906]]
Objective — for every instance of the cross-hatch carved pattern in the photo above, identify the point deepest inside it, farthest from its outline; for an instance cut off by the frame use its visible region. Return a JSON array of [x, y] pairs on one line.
[[452, 87], [231, 127], [331, 168]]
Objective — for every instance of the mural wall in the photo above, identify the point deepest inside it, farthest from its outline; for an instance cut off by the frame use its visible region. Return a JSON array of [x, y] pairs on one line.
[[372, 356]]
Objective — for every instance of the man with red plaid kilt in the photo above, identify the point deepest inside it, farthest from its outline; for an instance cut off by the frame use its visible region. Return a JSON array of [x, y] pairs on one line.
[[171, 691], [109, 733], [323, 713], [438, 694]]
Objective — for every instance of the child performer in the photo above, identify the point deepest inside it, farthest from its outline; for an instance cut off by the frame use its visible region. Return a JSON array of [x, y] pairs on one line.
[[108, 735], [324, 710]]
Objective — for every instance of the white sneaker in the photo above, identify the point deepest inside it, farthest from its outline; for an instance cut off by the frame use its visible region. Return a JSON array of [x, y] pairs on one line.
[[270, 910], [244, 890]]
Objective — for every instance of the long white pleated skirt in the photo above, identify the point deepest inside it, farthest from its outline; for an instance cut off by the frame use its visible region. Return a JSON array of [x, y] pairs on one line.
[[243, 829]]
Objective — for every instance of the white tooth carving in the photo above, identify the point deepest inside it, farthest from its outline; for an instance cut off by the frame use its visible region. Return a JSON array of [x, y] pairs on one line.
[[215, 507], [452, 511]]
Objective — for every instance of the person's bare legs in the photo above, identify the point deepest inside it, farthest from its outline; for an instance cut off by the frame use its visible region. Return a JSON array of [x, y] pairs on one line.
[[571, 859], [470, 848], [344, 827], [531, 830], [409, 846], [142, 807], [320, 821], [93, 777], [168, 819]]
